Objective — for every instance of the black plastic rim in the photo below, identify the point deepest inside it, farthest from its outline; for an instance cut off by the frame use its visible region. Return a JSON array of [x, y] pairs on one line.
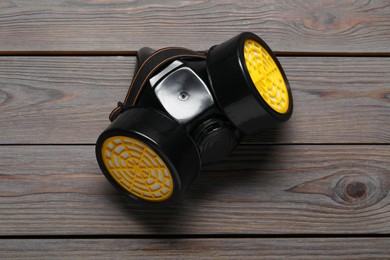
[[234, 90], [246, 36], [166, 138]]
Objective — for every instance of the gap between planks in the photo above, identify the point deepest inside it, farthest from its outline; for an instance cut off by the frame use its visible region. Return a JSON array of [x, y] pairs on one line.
[[241, 143], [133, 53], [193, 236]]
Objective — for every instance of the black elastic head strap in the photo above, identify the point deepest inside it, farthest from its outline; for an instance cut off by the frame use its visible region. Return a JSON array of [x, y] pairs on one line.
[[146, 70]]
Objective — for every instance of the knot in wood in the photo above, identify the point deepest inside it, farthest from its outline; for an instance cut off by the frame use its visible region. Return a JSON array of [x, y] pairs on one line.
[[356, 190]]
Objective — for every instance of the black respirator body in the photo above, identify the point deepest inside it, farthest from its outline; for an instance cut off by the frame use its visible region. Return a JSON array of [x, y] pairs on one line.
[[186, 108]]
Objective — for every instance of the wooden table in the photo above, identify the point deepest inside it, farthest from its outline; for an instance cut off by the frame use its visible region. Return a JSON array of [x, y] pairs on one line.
[[316, 188]]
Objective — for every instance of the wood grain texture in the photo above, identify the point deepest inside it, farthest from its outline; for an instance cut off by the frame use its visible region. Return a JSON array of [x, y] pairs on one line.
[[259, 248], [123, 25], [260, 189], [68, 99]]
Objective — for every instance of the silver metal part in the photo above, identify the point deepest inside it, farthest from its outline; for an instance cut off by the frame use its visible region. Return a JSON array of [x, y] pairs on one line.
[[182, 93], [165, 71]]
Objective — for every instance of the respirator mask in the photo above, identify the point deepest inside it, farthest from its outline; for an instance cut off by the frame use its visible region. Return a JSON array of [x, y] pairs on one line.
[[185, 109]]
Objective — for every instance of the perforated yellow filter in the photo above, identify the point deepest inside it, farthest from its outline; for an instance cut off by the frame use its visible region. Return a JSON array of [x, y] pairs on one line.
[[137, 168], [266, 76]]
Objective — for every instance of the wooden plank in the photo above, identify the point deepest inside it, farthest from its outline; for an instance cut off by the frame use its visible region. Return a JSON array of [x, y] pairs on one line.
[[68, 99], [292, 26], [260, 189], [264, 248]]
